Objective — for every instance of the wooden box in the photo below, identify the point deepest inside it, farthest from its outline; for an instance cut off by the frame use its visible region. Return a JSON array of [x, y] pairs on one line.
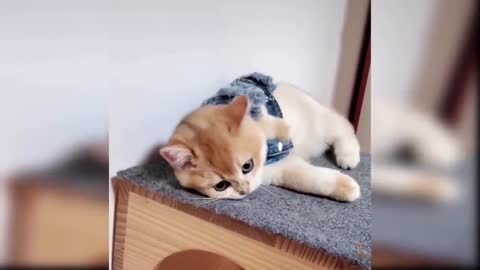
[[150, 228]]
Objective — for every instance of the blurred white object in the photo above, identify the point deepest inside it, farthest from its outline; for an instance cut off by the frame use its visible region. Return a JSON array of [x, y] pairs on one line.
[[433, 147]]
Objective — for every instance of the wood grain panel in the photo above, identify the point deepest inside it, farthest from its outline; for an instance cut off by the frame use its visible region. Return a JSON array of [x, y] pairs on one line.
[[155, 231]]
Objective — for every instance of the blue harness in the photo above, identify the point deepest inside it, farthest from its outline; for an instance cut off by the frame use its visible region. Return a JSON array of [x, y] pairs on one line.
[[259, 88]]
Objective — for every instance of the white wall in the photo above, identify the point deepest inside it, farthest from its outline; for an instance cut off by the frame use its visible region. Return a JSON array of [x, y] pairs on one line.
[[54, 79], [413, 46], [171, 55], [399, 32]]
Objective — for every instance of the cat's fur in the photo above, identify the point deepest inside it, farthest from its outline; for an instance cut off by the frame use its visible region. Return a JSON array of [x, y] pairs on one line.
[[213, 142]]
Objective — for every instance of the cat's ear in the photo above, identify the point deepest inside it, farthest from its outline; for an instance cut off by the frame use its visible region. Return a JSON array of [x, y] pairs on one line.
[[176, 155], [238, 108]]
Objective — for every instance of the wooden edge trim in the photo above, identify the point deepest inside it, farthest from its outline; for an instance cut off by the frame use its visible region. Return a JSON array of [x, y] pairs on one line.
[[465, 65], [119, 224], [387, 256], [361, 77], [18, 218], [305, 253]]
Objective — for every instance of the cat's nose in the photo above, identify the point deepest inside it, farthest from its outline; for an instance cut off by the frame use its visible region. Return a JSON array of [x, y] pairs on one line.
[[244, 188]]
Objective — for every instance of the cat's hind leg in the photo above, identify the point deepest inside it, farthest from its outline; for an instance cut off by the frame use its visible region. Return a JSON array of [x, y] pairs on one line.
[[297, 174]]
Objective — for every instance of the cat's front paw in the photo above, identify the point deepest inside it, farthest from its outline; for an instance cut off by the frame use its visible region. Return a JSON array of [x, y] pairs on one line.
[[348, 161], [346, 188]]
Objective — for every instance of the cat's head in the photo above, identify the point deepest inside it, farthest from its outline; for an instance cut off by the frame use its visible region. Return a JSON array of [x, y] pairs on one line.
[[218, 150]]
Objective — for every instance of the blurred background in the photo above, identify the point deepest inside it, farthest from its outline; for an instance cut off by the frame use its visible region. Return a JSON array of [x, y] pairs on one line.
[[423, 137], [54, 94]]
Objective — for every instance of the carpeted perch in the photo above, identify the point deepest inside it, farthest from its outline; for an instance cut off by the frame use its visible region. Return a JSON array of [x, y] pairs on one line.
[[272, 228]]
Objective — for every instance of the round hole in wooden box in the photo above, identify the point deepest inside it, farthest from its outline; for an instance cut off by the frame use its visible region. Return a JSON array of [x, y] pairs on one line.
[[194, 259]]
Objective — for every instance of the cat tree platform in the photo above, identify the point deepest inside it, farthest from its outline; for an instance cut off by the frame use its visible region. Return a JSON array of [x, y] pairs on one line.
[[272, 228]]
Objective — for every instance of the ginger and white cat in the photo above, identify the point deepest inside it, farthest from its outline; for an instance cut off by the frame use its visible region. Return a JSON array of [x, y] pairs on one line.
[[219, 150]]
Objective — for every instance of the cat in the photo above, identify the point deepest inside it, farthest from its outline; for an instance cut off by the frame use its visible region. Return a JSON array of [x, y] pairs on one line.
[[219, 150]]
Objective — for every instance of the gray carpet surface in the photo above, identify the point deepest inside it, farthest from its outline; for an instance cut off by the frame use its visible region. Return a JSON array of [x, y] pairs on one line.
[[338, 228]]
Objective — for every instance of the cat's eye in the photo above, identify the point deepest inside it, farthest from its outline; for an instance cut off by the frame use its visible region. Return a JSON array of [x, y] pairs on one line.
[[247, 167], [222, 185]]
